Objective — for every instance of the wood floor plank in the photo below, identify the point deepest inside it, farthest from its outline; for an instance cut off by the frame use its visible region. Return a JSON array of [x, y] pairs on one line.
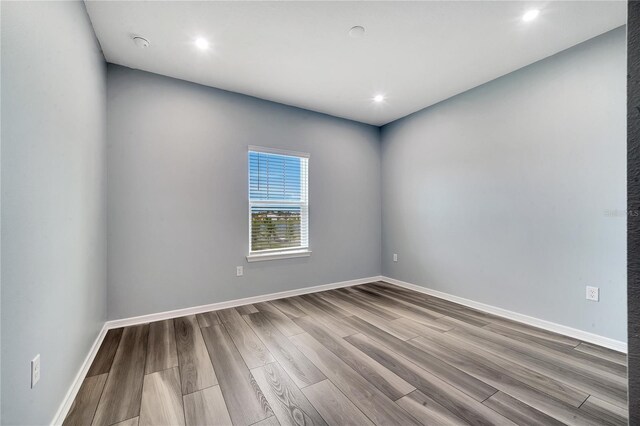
[[450, 398], [84, 405], [552, 366], [253, 351], [477, 389], [379, 408], [270, 421], [161, 350], [609, 413], [207, 319], [333, 406], [104, 358], [162, 399], [415, 302], [288, 403], [373, 319], [537, 332], [371, 289], [336, 325], [244, 399], [299, 368], [500, 379], [122, 392], [604, 353], [447, 305], [129, 422], [587, 360], [196, 371], [356, 298], [280, 320], [518, 342], [437, 306], [437, 343], [420, 328], [408, 310], [322, 306], [387, 382], [329, 308], [519, 412], [206, 408], [428, 411], [288, 308], [246, 309], [417, 305]]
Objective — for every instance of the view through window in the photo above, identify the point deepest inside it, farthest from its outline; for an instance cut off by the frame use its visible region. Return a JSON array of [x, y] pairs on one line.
[[278, 201]]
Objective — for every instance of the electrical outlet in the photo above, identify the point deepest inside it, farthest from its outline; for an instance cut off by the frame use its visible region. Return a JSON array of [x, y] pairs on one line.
[[395, 257], [35, 370], [239, 271], [593, 293]]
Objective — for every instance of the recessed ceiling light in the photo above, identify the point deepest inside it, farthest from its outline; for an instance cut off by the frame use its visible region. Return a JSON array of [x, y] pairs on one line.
[[530, 15], [378, 98], [356, 32], [202, 43], [141, 42]]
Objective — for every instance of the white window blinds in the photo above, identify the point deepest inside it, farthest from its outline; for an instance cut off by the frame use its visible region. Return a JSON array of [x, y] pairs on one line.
[[278, 201]]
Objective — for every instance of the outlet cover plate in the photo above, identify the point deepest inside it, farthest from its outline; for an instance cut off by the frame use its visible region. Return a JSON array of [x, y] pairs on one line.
[[593, 293], [239, 271], [35, 370]]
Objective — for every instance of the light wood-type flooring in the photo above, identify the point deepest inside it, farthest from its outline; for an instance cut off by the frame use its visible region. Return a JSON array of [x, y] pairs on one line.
[[369, 354]]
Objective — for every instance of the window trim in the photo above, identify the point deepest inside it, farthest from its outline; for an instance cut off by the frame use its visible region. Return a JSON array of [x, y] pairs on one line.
[[264, 255], [268, 150], [284, 253]]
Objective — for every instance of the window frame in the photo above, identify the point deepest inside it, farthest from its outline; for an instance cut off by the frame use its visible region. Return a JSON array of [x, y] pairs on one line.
[[279, 253]]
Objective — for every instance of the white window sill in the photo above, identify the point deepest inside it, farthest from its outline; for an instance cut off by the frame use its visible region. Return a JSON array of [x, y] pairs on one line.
[[278, 255]]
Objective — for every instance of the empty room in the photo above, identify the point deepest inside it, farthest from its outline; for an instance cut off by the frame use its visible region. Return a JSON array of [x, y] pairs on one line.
[[320, 213]]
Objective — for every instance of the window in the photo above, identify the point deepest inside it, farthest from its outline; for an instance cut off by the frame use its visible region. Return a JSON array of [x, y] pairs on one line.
[[278, 204]]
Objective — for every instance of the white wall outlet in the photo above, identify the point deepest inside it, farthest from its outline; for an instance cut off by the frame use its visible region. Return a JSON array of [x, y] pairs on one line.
[[395, 257], [35, 370], [593, 293], [239, 271]]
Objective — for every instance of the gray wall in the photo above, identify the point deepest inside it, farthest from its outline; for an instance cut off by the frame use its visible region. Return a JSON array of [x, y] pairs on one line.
[[499, 194], [53, 202], [177, 197]]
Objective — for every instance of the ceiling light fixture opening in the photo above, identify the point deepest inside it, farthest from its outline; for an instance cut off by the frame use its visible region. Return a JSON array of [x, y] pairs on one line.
[[530, 15], [378, 98], [202, 43], [141, 42], [356, 32]]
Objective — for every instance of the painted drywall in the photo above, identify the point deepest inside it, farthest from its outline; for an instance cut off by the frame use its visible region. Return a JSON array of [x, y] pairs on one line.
[[177, 195], [53, 202], [513, 193]]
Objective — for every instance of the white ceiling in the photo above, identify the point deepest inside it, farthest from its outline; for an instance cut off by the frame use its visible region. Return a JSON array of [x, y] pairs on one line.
[[300, 53]]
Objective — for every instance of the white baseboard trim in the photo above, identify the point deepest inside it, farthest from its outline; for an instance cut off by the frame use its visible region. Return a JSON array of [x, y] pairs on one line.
[[535, 322], [125, 322], [77, 381]]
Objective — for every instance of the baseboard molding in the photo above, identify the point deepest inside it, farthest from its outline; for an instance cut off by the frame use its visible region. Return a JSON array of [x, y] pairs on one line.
[[125, 322], [535, 322], [77, 381]]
